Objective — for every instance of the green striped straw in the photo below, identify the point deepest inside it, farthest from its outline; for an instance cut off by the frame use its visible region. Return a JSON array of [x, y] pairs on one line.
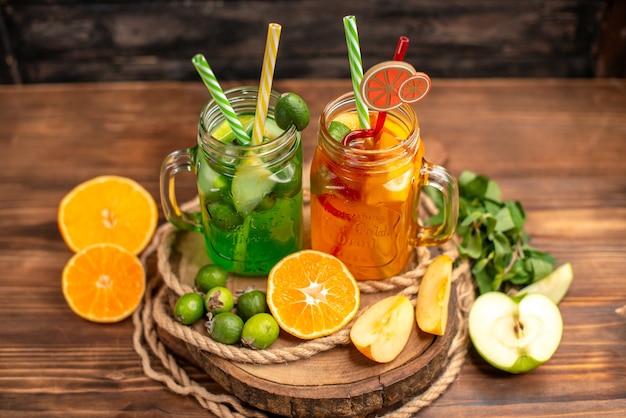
[[209, 79], [356, 68]]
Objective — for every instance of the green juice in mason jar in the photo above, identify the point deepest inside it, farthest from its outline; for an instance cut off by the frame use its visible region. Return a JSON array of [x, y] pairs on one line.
[[250, 195], [251, 204]]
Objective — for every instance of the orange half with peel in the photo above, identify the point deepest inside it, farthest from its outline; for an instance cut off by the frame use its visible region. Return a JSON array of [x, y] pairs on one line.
[[104, 283], [108, 209], [312, 294]]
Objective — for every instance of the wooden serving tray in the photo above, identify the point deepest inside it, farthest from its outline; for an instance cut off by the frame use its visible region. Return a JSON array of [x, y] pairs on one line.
[[340, 382]]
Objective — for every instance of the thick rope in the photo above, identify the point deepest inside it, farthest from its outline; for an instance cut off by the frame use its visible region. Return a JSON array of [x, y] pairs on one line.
[[147, 345], [156, 311]]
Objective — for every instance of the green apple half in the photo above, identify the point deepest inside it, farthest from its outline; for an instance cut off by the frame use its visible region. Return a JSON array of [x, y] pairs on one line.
[[515, 334]]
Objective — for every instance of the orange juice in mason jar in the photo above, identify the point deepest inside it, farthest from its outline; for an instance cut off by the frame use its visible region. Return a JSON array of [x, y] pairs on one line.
[[365, 194]]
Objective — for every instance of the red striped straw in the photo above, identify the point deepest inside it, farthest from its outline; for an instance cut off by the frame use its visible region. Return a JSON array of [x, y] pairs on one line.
[[398, 55]]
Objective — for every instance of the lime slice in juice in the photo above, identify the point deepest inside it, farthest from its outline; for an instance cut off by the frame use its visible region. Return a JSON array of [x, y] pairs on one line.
[[271, 129], [251, 183], [224, 133]]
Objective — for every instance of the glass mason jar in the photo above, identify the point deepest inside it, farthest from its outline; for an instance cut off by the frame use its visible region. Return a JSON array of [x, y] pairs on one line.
[[250, 196], [365, 201]]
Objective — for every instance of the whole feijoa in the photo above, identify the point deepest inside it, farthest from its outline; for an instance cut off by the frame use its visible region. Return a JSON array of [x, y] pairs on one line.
[[219, 299], [260, 331], [210, 276], [250, 303], [291, 109], [225, 327], [189, 308]]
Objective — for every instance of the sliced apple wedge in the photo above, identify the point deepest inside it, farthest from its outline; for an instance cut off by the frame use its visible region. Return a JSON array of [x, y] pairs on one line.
[[554, 286], [433, 296], [515, 334], [384, 328]]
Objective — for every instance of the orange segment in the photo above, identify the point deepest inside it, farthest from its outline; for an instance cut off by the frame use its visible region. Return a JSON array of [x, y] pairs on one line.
[[312, 294], [396, 182], [104, 283], [108, 209]]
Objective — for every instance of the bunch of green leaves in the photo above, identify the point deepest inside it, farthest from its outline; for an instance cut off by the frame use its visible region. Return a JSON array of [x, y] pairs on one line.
[[493, 236]]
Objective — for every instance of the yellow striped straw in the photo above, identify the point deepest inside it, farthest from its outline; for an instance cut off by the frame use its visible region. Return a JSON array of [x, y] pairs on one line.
[[265, 85]]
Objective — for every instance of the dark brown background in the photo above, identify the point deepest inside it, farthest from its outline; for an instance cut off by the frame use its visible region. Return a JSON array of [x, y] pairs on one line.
[[74, 40]]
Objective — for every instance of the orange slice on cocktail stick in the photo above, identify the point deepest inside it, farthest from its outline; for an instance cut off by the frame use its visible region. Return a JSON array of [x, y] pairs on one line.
[[381, 83], [415, 88]]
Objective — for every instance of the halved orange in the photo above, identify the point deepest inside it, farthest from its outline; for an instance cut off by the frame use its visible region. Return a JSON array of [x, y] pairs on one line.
[[312, 294], [104, 283], [110, 209]]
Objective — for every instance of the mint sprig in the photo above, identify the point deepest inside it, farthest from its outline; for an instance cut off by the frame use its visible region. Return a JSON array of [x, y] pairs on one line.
[[493, 237]]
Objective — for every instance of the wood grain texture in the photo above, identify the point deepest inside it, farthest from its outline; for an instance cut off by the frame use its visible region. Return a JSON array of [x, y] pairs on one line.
[[557, 146], [78, 40]]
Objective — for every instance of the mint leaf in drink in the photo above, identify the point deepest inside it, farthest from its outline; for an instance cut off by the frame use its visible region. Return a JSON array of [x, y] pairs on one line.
[[338, 130]]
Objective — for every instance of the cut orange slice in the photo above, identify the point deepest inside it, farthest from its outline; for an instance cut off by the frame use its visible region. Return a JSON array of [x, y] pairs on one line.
[[312, 294], [414, 88], [108, 209], [104, 283], [381, 83]]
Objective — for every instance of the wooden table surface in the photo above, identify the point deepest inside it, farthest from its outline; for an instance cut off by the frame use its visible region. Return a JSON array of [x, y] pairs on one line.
[[557, 146]]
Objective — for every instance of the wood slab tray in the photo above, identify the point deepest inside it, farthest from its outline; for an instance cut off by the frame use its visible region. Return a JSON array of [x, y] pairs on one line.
[[340, 382]]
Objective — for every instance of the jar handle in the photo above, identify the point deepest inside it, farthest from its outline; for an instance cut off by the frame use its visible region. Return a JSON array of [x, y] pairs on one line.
[[174, 163], [438, 177]]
